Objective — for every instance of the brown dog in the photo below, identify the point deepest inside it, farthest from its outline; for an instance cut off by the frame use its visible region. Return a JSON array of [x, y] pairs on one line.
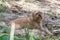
[[34, 21]]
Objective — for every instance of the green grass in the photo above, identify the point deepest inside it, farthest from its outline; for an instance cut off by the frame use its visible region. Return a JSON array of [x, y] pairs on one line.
[[6, 36], [3, 7], [4, 0], [27, 36]]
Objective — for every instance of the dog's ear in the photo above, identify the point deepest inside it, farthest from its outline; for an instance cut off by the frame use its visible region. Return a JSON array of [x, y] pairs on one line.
[[33, 14]]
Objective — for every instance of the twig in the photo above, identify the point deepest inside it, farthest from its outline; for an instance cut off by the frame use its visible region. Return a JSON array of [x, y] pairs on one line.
[[12, 31]]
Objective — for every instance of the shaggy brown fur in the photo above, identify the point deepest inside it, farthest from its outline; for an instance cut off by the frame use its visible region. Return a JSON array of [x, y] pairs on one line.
[[34, 21]]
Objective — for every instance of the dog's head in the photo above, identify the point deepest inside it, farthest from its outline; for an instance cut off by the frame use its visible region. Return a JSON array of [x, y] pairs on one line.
[[37, 16]]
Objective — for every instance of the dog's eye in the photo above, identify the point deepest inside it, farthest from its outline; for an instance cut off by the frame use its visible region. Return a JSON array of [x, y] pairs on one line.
[[39, 15]]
